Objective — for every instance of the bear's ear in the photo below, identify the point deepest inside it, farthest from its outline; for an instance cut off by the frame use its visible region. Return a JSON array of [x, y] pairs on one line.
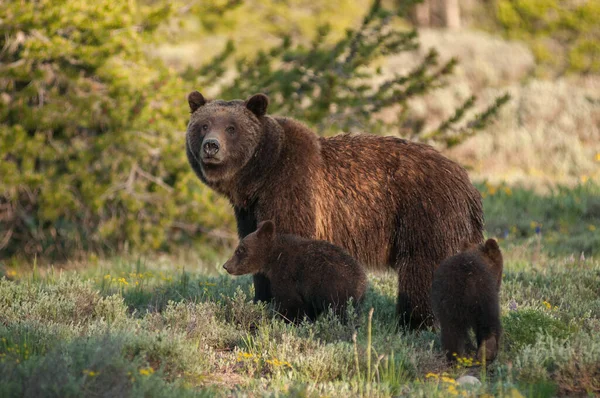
[[258, 104], [266, 230], [196, 100]]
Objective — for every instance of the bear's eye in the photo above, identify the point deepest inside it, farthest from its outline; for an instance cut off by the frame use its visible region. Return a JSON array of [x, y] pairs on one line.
[[240, 251], [205, 127], [230, 129]]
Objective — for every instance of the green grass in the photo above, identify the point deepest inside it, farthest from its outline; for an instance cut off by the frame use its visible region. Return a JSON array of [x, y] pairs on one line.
[[146, 332], [563, 221], [167, 327]]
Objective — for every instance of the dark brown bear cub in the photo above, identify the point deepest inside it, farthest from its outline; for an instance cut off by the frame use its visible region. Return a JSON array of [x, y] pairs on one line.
[[307, 276], [464, 296]]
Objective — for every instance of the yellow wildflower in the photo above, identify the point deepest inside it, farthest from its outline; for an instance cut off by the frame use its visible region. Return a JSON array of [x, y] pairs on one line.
[[90, 373], [547, 304], [244, 355], [591, 227], [11, 273], [584, 179], [449, 380], [464, 362], [146, 371], [452, 390], [430, 375], [508, 191], [514, 393], [277, 363], [123, 281]]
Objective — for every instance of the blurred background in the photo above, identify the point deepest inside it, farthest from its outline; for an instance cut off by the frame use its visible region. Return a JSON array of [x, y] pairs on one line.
[[93, 110]]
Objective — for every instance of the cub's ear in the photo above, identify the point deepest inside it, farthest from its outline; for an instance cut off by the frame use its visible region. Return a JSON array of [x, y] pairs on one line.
[[491, 245], [196, 100], [258, 104], [266, 230]]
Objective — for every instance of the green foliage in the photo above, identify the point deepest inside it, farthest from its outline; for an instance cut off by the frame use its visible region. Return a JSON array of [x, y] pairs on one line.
[[92, 155], [209, 338], [569, 28], [565, 220], [96, 366], [525, 327], [331, 84]]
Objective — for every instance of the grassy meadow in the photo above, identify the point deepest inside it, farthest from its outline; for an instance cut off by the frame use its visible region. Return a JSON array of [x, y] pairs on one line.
[[92, 166], [170, 326]]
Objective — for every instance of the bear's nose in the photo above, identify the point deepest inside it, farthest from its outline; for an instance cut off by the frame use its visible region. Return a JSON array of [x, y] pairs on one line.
[[211, 147]]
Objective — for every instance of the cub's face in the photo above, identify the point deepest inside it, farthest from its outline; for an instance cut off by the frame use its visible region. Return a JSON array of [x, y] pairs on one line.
[[250, 255], [222, 136]]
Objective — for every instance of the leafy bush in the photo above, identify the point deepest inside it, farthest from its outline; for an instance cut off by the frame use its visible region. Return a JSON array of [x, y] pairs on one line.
[[91, 150], [569, 27], [523, 328], [87, 366]]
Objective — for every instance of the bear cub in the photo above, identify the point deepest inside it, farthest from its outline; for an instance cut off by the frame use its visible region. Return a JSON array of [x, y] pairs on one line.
[[306, 276], [464, 296]]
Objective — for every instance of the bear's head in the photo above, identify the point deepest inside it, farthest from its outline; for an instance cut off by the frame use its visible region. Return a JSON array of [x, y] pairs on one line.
[[491, 255], [222, 136], [250, 255]]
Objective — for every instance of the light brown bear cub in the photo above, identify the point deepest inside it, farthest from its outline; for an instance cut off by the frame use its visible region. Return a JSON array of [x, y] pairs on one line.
[[464, 296], [307, 276]]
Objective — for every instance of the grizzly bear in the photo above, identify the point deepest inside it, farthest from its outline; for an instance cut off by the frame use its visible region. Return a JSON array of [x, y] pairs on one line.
[[306, 276], [386, 200], [464, 296]]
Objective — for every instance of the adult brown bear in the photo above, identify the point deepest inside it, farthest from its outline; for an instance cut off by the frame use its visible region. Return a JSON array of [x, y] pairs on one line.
[[386, 200]]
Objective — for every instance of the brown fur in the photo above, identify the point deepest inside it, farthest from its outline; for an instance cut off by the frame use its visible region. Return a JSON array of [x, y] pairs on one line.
[[307, 276], [388, 201], [465, 296]]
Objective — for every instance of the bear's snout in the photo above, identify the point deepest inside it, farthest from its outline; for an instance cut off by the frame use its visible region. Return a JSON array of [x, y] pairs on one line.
[[210, 147], [227, 266]]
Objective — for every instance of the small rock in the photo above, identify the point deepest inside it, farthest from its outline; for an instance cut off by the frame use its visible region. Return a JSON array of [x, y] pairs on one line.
[[468, 381]]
